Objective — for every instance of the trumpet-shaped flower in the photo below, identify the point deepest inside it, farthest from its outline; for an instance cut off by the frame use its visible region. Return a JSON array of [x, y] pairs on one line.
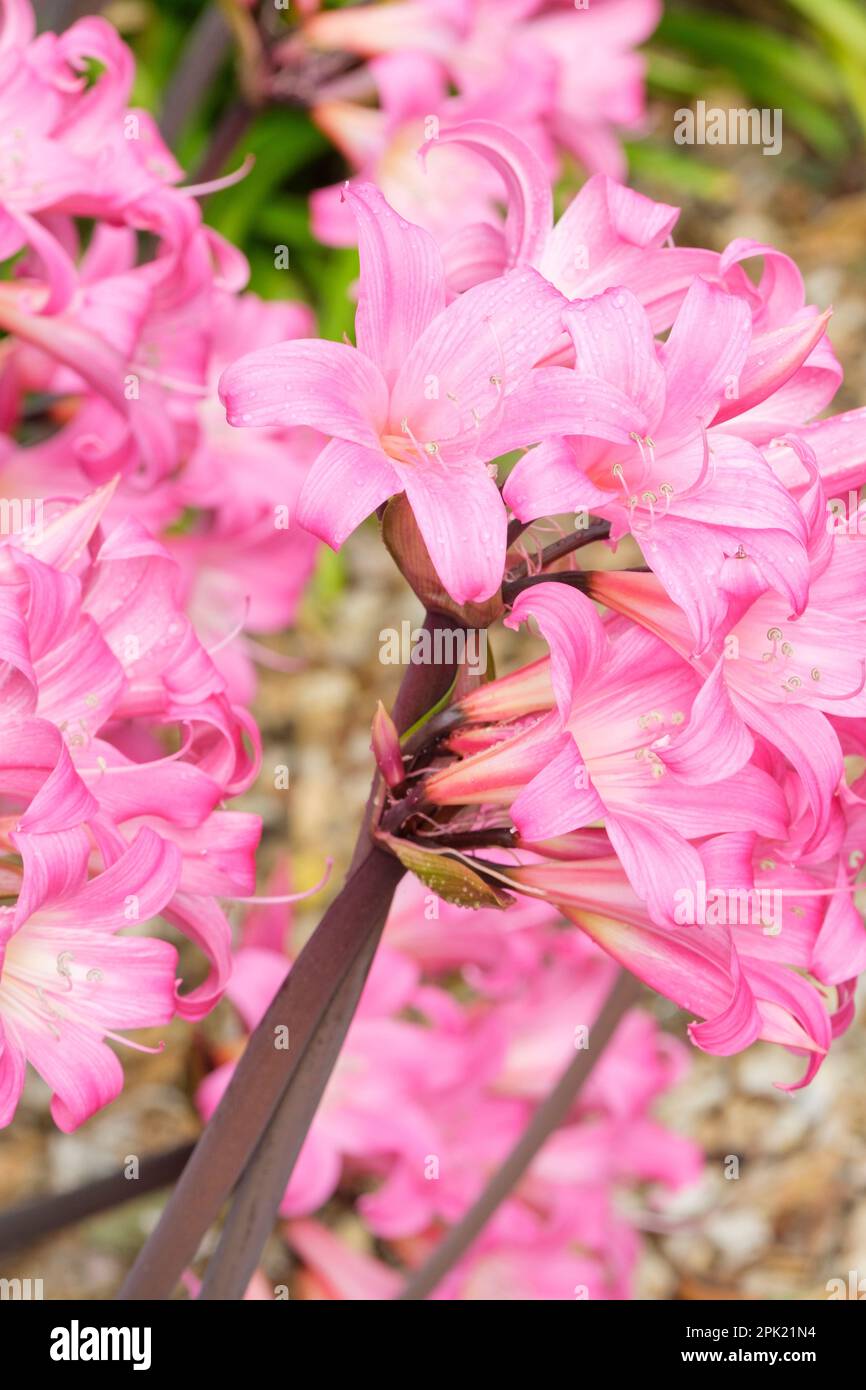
[[415, 405], [99, 828], [785, 676], [759, 949], [700, 501], [623, 733]]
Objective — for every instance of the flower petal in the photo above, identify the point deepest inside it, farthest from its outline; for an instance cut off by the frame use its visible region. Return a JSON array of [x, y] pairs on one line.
[[345, 484], [402, 285], [703, 355], [454, 380], [530, 205], [613, 340], [559, 798], [461, 516], [572, 630], [329, 386]]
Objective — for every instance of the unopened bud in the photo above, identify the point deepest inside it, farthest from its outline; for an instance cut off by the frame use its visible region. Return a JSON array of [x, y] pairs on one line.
[[386, 747]]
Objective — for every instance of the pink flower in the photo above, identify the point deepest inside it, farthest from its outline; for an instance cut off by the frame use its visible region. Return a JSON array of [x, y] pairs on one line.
[[611, 236], [170, 443], [785, 677], [101, 830], [680, 486], [413, 407], [580, 67], [454, 196], [244, 561], [765, 950], [125, 351], [538, 1265], [68, 981], [372, 1107], [53, 117], [619, 730], [518, 1048]]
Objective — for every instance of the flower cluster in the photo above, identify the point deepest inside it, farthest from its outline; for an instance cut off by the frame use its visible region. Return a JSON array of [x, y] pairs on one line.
[[433, 1088], [101, 830], [121, 307], [677, 765], [566, 76]]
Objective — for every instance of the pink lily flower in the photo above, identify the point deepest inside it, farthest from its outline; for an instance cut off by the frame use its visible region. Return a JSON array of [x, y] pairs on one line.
[[457, 1082], [790, 984], [382, 146], [550, 1212], [414, 406], [679, 487], [613, 237], [68, 982], [53, 116], [583, 65], [482, 1117], [97, 654], [540, 1267], [838, 448], [626, 734], [243, 564], [373, 1106], [170, 441], [784, 676]]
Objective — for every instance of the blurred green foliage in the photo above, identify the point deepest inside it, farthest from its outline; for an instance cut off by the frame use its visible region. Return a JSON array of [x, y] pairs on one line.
[[806, 57]]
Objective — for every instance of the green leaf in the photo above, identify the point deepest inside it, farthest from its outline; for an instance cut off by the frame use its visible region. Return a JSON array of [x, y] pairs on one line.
[[842, 20], [332, 273], [329, 577], [758, 56]]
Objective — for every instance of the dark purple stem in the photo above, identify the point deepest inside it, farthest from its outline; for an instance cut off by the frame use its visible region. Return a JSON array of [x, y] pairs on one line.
[[283, 1086]]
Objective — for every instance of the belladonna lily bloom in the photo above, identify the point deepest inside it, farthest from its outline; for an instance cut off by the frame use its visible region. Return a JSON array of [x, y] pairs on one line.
[[243, 564], [701, 501], [518, 1048], [100, 828], [793, 680], [610, 237], [165, 339], [616, 728], [68, 982], [454, 191], [71, 147], [122, 344], [422, 404], [582, 70], [772, 953]]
